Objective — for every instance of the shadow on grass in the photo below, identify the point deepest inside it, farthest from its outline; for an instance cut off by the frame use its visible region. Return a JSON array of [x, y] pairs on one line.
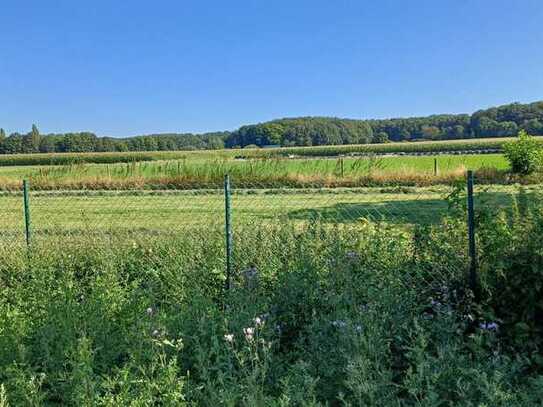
[[413, 211]]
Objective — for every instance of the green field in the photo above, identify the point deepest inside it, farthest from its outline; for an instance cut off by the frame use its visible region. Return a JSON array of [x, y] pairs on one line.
[[147, 214], [199, 172], [205, 155]]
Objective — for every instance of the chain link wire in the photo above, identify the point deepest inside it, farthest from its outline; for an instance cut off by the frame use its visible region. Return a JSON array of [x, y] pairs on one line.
[[269, 223]]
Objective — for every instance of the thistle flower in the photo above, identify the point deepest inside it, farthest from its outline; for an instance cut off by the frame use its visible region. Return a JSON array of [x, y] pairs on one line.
[[339, 324], [489, 326], [258, 321], [249, 333], [250, 273], [352, 255]]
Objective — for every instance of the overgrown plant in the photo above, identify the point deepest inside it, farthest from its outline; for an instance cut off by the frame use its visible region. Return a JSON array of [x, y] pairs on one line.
[[524, 154]]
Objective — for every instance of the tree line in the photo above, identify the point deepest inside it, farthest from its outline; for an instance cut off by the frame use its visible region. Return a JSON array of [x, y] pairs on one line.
[[501, 121]]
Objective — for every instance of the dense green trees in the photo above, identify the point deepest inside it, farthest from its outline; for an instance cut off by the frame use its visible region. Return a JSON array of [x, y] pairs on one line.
[[499, 121], [34, 142], [304, 131]]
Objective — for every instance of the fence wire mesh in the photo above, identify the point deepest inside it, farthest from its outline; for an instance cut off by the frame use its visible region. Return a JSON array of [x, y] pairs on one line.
[[269, 226]]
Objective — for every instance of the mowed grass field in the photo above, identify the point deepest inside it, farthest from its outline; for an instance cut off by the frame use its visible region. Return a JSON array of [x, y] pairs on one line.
[[146, 214]]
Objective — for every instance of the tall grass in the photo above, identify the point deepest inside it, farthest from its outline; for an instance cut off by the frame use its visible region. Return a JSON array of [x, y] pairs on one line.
[[186, 174]]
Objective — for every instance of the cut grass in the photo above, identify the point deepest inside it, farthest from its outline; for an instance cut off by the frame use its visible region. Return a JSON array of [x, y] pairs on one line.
[[182, 212]]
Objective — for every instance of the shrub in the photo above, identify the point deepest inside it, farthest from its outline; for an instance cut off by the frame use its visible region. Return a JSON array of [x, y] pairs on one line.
[[524, 154]]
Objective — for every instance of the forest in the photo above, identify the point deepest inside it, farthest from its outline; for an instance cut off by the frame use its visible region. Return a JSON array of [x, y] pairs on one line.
[[499, 121]]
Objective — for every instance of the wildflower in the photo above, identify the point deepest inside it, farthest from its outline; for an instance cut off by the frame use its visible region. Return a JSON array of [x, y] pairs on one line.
[[435, 303], [250, 273], [339, 324], [150, 311], [427, 315], [352, 255], [155, 333], [229, 338], [250, 277], [358, 328], [258, 322], [489, 326], [249, 333]]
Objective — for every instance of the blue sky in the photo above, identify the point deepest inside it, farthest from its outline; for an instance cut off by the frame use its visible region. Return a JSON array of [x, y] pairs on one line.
[[122, 68]]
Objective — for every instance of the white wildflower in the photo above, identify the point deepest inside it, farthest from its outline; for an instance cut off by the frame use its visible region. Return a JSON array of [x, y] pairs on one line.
[[229, 338], [339, 324], [249, 333]]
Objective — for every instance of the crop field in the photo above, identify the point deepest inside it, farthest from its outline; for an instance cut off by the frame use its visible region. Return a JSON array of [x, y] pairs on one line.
[[436, 147]]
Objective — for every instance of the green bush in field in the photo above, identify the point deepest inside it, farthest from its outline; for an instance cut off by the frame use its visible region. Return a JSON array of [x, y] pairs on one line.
[[355, 315], [512, 274], [524, 154]]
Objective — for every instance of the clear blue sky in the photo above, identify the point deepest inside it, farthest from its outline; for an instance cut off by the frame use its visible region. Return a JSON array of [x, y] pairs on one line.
[[131, 67]]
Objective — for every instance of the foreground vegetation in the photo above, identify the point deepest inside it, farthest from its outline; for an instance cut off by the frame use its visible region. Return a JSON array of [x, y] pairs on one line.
[[349, 314]]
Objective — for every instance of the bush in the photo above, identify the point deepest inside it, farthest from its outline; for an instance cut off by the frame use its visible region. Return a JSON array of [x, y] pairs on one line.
[[511, 273], [524, 154]]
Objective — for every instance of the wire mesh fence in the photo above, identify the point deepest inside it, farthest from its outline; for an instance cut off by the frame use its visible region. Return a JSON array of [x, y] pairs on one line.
[[260, 220]]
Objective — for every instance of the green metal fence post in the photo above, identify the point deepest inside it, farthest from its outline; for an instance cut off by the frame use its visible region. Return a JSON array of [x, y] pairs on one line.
[[228, 231], [26, 200], [471, 236], [435, 166]]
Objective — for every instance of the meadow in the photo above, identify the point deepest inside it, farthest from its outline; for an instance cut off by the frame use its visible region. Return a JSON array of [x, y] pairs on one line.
[[204, 172]]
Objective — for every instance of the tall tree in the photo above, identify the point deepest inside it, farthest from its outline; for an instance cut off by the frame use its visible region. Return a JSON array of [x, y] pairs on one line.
[[32, 140]]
